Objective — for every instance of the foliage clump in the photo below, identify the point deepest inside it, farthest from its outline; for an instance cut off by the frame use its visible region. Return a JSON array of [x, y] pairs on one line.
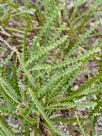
[[45, 48]]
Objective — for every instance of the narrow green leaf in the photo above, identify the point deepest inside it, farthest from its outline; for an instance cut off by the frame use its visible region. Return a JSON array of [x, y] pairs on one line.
[[41, 110], [5, 127]]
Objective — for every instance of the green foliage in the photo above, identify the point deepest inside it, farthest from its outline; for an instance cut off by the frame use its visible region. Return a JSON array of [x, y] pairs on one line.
[[5, 128], [51, 51]]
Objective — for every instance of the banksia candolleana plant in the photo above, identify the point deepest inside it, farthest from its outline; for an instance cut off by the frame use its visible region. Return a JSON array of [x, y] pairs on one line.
[[45, 48]]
